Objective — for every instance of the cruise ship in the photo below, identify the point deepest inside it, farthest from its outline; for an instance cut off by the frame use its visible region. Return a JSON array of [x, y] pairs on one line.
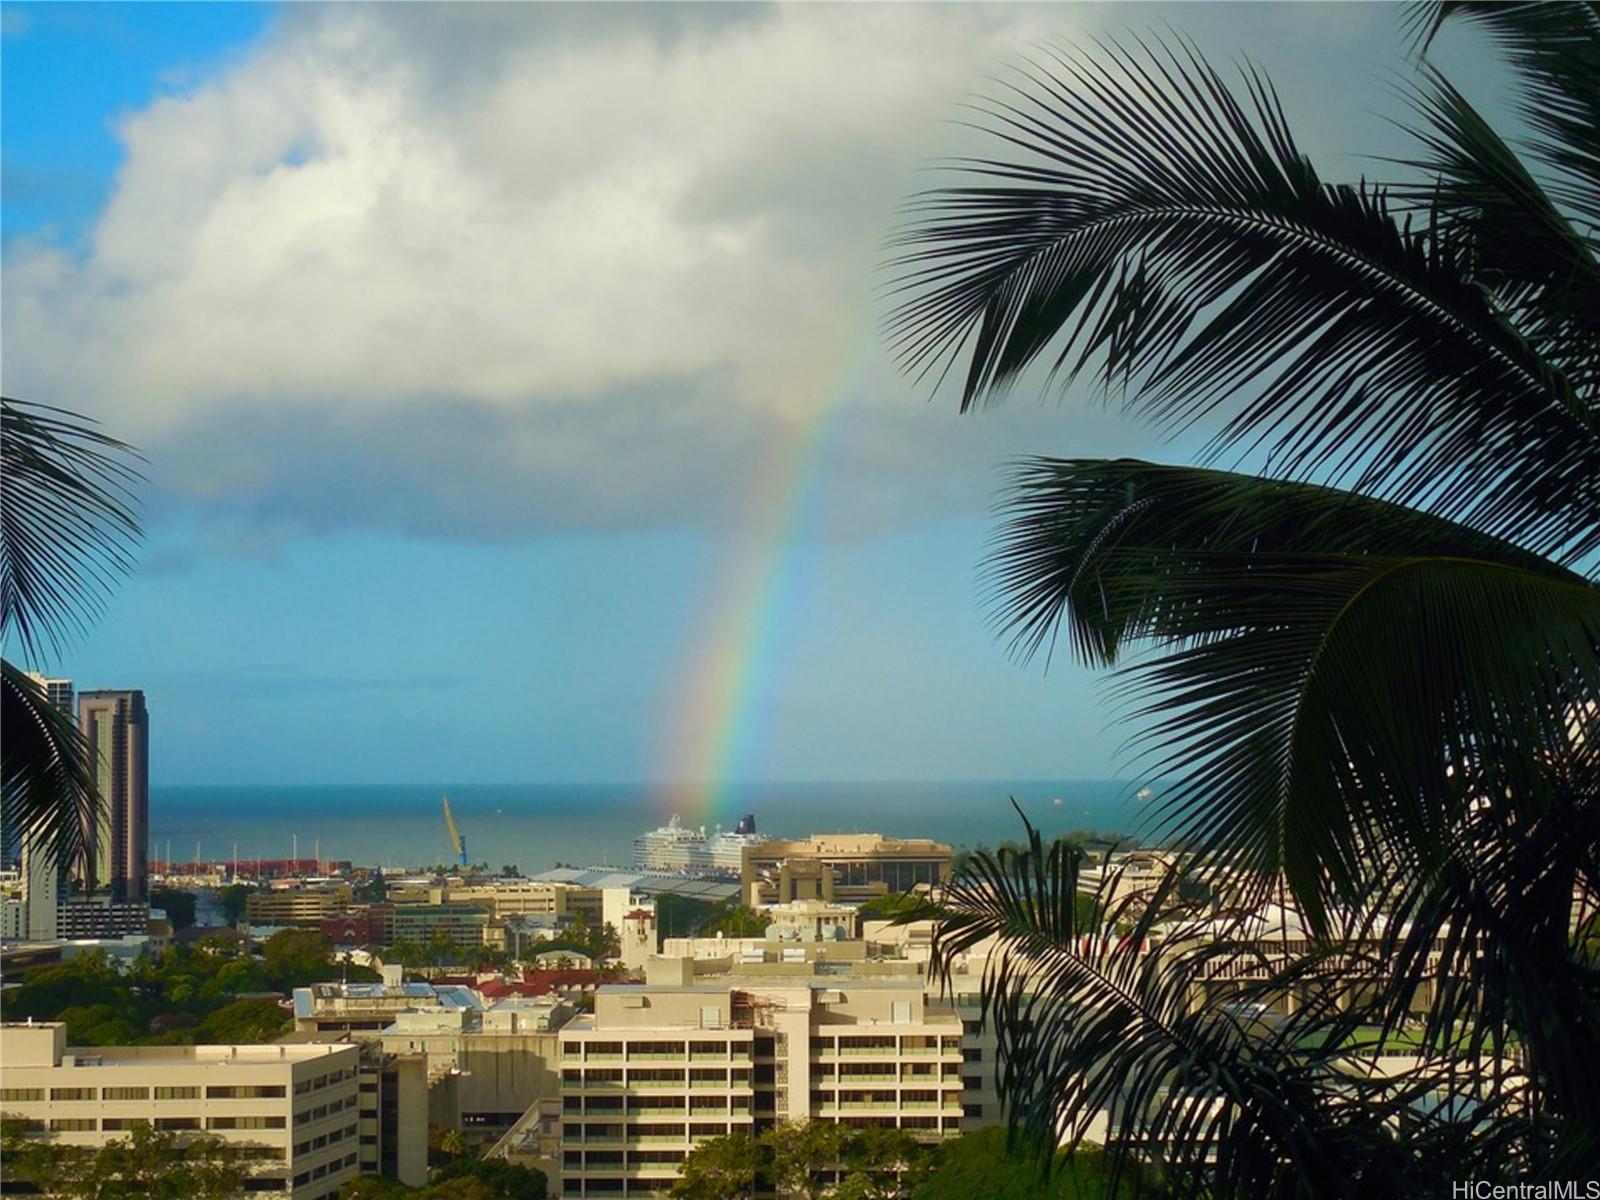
[[676, 847]]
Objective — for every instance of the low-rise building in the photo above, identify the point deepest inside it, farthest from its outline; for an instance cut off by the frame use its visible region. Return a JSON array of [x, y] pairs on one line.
[[291, 1110], [420, 924], [364, 1010], [842, 867], [304, 907]]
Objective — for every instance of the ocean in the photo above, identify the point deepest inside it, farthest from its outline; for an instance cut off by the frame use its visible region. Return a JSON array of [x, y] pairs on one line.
[[538, 826]]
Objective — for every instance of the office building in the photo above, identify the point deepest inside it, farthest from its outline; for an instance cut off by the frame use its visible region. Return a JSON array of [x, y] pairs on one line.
[[291, 1110], [848, 868], [116, 727]]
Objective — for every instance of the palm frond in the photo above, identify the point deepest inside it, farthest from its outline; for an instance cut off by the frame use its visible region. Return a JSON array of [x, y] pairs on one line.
[[1324, 664], [1539, 269], [1556, 49], [67, 523], [1100, 1033], [48, 794], [1157, 229]]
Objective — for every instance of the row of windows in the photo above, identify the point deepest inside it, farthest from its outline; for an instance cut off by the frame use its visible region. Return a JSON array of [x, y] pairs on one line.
[[323, 1110], [245, 1123], [327, 1139], [232, 1092], [339, 1164], [306, 1086]]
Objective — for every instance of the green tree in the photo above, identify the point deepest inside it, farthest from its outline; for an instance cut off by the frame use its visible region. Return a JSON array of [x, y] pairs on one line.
[[723, 1168], [1372, 669], [244, 1021], [883, 1163], [148, 1163], [67, 531], [982, 1164], [296, 957], [178, 905], [805, 1154], [506, 1180], [234, 898]]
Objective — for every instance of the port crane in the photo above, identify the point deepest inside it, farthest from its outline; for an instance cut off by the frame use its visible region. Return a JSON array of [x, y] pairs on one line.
[[457, 842]]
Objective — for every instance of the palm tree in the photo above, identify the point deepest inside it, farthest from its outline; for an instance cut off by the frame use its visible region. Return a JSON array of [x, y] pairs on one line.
[[67, 530], [1365, 650]]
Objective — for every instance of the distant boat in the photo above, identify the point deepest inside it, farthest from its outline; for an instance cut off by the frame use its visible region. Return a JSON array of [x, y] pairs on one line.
[[1056, 802], [1144, 794]]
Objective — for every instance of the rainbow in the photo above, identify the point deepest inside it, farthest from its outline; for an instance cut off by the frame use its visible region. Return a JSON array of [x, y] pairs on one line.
[[732, 653]]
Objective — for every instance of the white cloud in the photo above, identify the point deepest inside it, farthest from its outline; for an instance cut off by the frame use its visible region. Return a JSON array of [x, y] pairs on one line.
[[478, 270]]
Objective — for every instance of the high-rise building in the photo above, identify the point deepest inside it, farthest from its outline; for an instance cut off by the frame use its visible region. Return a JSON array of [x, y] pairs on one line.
[[57, 691], [44, 882], [116, 726]]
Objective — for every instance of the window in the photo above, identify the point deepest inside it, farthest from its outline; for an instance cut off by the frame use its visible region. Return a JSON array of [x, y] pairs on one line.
[[125, 1093], [177, 1093], [255, 1091], [125, 1123], [73, 1124], [72, 1093], [177, 1122], [972, 1082], [972, 1110], [21, 1094], [972, 1054], [900, 1012], [244, 1123]]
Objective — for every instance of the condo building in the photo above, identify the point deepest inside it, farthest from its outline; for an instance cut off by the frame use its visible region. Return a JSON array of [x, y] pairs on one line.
[[43, 882], [291, 1110], [659, 1067], [116, 727]]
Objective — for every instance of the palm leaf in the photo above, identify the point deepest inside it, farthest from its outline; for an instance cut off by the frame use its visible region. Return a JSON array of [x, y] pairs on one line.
[[1556, 49], [1154, 227], [1098, 1033], [67, 525], [48, 793], [1326, 663]]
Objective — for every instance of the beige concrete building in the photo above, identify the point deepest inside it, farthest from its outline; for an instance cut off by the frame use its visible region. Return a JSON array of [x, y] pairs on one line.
[[486, 1068], [292, 1110], [307, 906], [509, 898], [845, 867], [660, 1066]]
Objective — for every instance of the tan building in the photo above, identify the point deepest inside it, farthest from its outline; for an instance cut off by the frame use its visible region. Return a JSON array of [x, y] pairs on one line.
[[519, 897], [848, 868], [660, 1066], [306, 907], [291, 1109]]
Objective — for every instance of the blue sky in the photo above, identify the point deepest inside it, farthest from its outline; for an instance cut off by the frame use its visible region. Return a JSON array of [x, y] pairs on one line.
[[455, 338]]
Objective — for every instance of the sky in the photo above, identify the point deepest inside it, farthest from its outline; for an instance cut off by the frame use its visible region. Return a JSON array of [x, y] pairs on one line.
[[509, 381]]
